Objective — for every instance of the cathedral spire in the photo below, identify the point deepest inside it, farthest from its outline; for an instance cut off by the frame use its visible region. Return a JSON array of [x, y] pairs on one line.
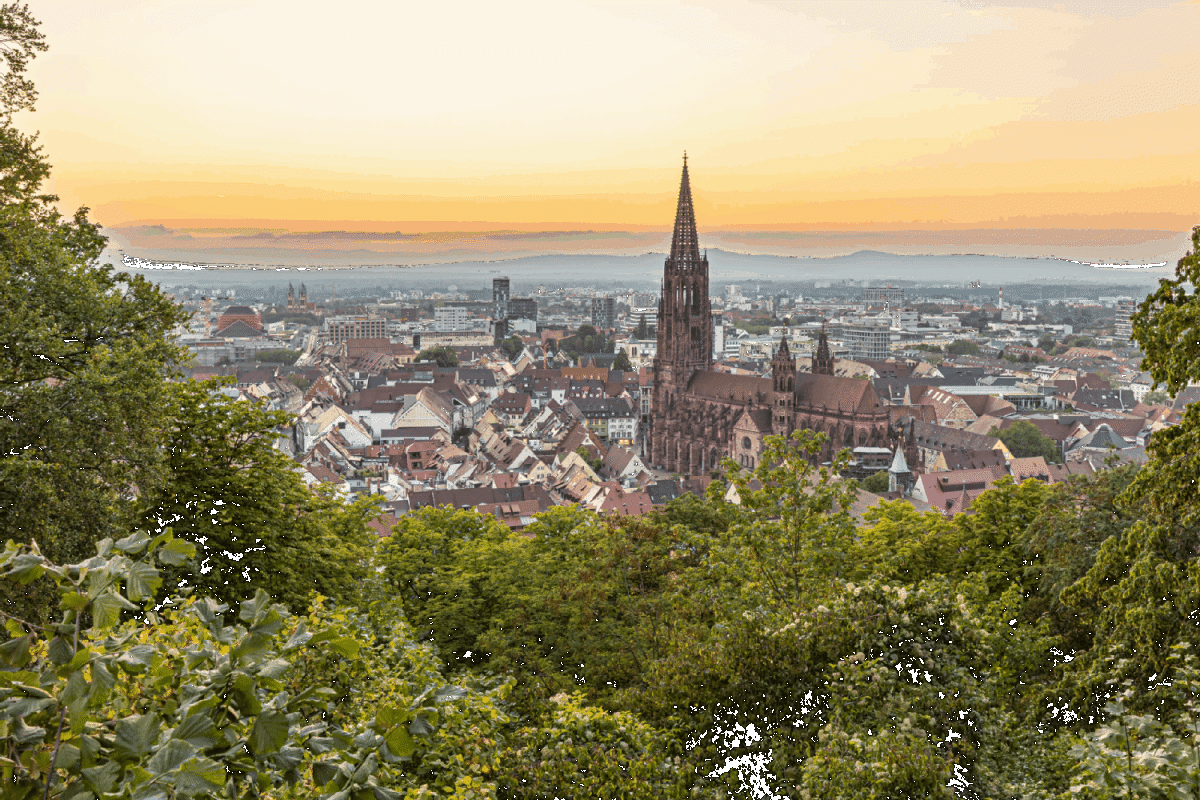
[[685, 248]]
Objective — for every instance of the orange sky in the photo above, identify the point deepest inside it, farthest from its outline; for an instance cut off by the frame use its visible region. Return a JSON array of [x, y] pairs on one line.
[[795, 115]]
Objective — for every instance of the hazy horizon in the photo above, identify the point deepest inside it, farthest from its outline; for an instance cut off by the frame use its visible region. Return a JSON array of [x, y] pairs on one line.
[[573, 115]]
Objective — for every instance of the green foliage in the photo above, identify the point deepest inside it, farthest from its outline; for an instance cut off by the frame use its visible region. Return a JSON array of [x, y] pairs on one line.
[[243, 504], [582, 751], [591, 460], [85, 358], [622, 362], [963, 347], [277, 356], [1153, 755], [757, 326], [299, 381], [188, 704], [1157, 398], [442, 356], [1024, 440], [512, 347], [876, 482], [585, 340], [643, 329], [794, 533]]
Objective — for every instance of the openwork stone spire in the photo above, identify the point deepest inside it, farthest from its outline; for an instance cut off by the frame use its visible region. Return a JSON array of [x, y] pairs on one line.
[[685, 246]]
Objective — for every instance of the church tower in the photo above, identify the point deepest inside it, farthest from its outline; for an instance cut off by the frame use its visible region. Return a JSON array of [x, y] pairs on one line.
[[685, 326], [783, 398], [291, 296], [822, 363]]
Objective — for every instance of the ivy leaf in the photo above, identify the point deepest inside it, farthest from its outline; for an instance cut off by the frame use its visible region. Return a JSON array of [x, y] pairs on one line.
[[270, 732]]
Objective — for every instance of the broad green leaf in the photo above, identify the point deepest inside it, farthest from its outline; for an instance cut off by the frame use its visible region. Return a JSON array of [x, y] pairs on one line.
[[106, 610], [345, 646], [73, 601], [170, 756], [200, 777], [27, 734], [15, 652], [102, 683], [26, 568], [141, 581], [136, 659], [449, 693], [197, 730], [323, 773], [136, 735], [133, 543], [270, 732], [176, 552], [401, 742], [60, 651], [103, 778], [152, 791]]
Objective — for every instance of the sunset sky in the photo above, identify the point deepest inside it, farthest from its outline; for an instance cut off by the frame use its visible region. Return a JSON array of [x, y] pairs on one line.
[[795, 115]]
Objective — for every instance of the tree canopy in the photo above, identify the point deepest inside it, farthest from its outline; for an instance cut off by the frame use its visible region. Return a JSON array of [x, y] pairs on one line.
[[1024, 440], [442, 356]]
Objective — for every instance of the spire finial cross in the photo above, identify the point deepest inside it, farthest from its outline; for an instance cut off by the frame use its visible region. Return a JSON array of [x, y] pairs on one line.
[[685, 158]]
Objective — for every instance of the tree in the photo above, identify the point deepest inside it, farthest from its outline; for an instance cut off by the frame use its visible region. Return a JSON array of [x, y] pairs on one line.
[[244, 506], [1157, 398], [877, 482], [189, 702], [512, 347], [1024, 440], [621, 362], [643, 330], [963, 347], [85, 360], [277, 356], [443, 356]]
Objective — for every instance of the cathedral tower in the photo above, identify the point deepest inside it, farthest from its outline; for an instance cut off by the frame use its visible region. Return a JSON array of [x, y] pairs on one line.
[[685, 327], [783, 398], [822, 363]]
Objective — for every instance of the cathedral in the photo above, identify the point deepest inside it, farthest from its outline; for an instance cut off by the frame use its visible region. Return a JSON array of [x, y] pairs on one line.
[[700, 416]]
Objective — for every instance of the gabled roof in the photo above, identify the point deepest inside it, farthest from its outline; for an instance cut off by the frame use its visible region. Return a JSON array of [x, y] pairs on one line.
[[727, 388], [240, 330]]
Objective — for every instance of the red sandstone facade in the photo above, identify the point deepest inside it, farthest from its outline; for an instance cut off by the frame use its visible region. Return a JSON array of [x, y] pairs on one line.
[[699, 417]]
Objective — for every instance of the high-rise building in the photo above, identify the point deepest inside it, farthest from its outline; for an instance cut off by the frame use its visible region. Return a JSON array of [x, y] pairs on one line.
[[339, 329], [1125, 309], [604, 313], [500, 294], [868, 340], [523, 308], [451, 318], [883, 296]]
